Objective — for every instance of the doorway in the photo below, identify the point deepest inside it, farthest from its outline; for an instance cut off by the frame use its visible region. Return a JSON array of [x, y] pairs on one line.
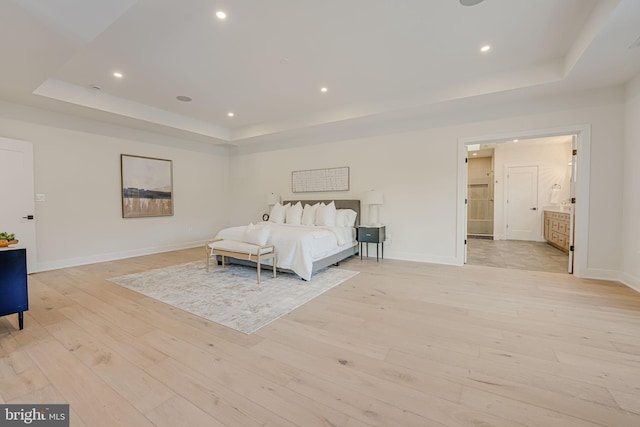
[[480, 190], [528, 179], [16, 186]]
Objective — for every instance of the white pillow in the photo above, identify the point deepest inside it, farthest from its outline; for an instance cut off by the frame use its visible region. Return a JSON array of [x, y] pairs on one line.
[[309, 214], [294, 214], [257, 234], [346, 218], [326, 215], [352, 217], [278, 213], [319, 210]]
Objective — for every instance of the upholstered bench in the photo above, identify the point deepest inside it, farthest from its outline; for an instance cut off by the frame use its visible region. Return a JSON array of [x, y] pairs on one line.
[[240, 250]]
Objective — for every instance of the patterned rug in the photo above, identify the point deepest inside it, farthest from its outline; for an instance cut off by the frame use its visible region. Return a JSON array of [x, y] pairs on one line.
[[230, 296]]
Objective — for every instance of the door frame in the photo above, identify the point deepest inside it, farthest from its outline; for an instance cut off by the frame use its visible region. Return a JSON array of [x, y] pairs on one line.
[[581, 234]]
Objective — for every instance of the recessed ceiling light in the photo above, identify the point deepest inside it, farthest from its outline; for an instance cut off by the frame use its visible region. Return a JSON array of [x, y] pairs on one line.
[[323, 89], [221, 15], [117, 74], [485, 48], [470, 2], [184, 98], [515, 140], [230, 114]]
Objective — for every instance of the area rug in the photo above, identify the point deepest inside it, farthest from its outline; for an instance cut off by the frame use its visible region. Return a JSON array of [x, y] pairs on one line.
[[230, 295]]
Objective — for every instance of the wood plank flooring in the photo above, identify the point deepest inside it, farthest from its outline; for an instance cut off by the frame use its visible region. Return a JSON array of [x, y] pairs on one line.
[[400, 344]]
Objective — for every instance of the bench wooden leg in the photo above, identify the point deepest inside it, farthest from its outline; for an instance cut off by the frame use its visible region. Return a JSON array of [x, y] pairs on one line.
[[258, 270], [273, 260]]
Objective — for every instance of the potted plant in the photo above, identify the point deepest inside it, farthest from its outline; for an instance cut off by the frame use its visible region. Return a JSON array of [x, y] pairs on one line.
[[7, 239]]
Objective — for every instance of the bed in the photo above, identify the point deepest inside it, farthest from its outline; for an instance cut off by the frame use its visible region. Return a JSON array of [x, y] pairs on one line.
[[304, 249]]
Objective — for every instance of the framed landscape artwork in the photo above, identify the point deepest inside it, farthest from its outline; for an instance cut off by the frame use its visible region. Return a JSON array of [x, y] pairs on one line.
[[147, 186]]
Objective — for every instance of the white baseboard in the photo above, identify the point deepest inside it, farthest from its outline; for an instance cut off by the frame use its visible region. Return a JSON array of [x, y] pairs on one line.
[[92, 259], [600, 274], [613, 275], [630, 281], [432, 259], [590, 273]]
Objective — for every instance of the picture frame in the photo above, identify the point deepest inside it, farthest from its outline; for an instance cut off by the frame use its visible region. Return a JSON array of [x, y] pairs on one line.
[[320, 180], [147, 186]]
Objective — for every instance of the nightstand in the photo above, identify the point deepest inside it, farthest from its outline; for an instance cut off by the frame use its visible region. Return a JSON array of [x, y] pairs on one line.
[[372, 234]]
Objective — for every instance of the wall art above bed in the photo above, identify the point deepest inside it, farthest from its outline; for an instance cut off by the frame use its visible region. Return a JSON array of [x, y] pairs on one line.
[[315, 180], [147, 186]]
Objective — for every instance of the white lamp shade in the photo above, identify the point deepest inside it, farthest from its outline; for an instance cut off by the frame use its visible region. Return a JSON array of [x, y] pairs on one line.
[[273, 198], [372, 197]]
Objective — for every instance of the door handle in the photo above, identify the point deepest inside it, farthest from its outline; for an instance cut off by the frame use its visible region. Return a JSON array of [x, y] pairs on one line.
[[28, 217], [534, 209]]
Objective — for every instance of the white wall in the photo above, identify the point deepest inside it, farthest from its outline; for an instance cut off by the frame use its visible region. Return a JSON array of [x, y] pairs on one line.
[[630, 266], [417, 171], [552, 161], [77, 168], [415, 175], [79, 173]]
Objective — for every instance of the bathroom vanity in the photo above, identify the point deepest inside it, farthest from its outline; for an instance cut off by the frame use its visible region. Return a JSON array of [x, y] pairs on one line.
[[557, 227]]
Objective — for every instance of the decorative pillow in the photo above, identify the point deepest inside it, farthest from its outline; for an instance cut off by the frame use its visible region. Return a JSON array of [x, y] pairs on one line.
[[319, 210], [309, 214], [346, 218], [257, 234], [294, 214], [326, 215], [278, 213]]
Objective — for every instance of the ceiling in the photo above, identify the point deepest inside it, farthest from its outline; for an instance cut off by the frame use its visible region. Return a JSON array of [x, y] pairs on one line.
[[267, 61]]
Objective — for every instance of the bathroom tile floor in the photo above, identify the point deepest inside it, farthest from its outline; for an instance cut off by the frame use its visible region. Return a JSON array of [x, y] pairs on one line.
[[516, 254]]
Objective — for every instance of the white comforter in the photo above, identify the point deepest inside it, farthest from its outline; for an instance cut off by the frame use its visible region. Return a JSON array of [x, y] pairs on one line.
[[299, 246]]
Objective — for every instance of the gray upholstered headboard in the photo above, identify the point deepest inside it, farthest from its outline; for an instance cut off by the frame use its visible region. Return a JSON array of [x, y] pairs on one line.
[[340, 204]]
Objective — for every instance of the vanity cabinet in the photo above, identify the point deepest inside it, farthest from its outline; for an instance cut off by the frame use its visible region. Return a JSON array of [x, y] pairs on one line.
[[556, 229]]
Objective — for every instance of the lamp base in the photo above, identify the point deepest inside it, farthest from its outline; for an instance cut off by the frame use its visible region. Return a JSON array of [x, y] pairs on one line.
[[373, 215]]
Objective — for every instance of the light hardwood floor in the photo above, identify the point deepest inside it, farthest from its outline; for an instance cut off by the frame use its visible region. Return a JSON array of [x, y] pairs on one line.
[[400, 344]]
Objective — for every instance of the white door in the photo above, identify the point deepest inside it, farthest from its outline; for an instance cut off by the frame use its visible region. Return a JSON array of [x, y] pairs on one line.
[[522, 203], [17, 206]]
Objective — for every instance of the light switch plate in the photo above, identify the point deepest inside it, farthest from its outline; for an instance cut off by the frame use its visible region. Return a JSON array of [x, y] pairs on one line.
[[40, 198]]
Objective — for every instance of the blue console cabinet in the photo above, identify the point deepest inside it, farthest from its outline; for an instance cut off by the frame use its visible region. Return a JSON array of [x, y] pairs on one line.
[[13, 283]]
